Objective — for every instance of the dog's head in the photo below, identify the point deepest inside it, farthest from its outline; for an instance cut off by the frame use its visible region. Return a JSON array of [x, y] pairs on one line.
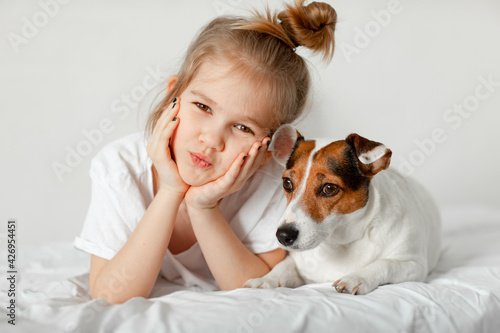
[[323, 181]]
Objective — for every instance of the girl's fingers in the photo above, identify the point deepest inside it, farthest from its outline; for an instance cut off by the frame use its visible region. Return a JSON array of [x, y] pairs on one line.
[[245, 165], [234, 170], [167, 132], [158, 144], [168, 115], [256, 155], [163, 145], [164, 120]]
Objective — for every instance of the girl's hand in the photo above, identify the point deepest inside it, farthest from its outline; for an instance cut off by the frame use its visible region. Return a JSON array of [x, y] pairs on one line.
[[207, 196], [158, 149]]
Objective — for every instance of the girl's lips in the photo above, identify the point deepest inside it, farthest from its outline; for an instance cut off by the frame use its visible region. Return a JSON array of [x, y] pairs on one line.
[[200, 160]]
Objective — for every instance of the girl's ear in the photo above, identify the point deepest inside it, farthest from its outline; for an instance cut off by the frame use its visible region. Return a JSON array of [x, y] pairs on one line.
[[283, 143], [172, 81]]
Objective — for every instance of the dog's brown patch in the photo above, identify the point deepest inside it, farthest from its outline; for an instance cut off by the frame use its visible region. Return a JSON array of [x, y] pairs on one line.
[[333, 164], [301, 150]]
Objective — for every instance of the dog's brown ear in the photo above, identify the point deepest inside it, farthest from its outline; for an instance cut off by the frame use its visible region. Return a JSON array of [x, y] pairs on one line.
[[283, 143], [373, 157]]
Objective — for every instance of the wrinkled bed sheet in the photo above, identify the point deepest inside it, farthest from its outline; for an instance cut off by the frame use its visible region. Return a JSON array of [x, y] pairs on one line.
[[461, 295]]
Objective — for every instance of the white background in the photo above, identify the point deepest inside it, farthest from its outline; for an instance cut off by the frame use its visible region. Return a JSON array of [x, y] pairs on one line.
[[393, 79]]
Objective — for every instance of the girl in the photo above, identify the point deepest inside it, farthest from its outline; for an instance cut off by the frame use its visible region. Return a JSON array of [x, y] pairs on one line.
[[197, 198]]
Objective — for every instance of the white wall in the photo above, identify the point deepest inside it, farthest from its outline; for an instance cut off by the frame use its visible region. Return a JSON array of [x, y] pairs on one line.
[[73, 73]]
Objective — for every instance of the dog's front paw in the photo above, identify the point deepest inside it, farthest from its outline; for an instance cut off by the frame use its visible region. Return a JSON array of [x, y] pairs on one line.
[[263, 283], [354, 284]]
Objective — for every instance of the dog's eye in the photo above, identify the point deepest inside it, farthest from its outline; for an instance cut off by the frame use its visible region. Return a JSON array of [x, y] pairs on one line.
[[329, 190], [287, 184]]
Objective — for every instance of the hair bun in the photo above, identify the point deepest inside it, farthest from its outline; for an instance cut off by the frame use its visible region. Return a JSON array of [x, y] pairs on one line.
[[312, 26]]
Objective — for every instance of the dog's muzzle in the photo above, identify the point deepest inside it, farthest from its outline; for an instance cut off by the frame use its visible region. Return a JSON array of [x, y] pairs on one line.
[[287, 235]]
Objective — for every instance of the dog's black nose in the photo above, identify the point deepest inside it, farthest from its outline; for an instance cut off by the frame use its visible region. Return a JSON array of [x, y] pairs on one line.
[[287, 235]]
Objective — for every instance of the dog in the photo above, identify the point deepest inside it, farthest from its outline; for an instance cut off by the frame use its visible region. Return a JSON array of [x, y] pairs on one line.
[[347, 223]]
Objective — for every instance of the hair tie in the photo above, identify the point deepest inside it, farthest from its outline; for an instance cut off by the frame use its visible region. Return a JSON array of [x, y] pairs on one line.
[[295, 44]]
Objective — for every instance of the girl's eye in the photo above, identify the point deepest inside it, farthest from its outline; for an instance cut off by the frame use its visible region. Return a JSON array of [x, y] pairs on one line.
[[243, 128], [204, 108]]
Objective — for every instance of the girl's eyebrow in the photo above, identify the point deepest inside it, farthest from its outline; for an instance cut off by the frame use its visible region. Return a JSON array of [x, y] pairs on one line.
[[204, 97]]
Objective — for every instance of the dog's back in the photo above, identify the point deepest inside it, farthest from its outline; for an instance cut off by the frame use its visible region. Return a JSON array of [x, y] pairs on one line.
[[404, 196]]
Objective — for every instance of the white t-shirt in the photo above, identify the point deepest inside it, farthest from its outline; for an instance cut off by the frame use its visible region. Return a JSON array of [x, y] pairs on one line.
[[122, 189]]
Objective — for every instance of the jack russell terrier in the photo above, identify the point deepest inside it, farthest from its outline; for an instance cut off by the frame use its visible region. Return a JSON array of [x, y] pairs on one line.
[[345, 223]]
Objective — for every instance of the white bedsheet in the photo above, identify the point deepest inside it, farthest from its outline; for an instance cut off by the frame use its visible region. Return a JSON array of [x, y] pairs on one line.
[[461, 295]]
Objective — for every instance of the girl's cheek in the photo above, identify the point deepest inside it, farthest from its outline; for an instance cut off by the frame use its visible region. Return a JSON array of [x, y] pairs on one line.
[[236, 146], [248, 146]]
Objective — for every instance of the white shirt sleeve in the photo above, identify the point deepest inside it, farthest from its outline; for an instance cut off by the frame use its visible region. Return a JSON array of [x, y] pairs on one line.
[[116, 207]]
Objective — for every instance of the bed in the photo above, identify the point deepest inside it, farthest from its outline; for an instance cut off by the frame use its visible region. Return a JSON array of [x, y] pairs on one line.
[[461, 295]]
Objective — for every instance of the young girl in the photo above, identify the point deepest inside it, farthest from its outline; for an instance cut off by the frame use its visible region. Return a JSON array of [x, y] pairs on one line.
[[197, 198]]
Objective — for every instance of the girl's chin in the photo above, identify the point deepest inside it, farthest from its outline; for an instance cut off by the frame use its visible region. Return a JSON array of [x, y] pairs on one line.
[[193, 179]]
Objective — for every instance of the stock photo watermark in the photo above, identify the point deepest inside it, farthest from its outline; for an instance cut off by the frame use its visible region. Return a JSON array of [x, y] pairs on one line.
[[223, 7], [31, 27], [11, 270], [363, 37], [454, 118], [94, 137], [255, 319]]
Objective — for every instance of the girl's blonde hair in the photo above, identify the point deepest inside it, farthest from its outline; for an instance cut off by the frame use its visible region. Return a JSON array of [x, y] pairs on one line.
[[262, 48]]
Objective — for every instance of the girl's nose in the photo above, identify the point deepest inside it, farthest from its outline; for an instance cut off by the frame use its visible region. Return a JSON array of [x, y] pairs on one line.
[[212, 139]]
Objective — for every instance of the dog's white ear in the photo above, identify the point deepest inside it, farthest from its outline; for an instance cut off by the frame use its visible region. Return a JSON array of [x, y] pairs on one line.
[[373, 157], [283, 143]]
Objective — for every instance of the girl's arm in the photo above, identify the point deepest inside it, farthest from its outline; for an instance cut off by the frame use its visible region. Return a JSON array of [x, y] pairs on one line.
[[230, 262], [133, 270]]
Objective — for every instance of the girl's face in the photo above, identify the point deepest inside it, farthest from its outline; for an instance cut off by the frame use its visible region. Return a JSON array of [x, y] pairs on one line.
[[220, 116]]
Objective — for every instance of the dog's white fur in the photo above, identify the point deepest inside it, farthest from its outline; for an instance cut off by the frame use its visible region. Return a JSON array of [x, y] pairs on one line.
[[394, 238]]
